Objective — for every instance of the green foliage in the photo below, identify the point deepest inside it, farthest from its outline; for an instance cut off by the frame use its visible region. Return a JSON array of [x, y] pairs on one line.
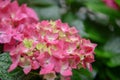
[[117, 1], [83, 74], [51, 12], [5, 62]]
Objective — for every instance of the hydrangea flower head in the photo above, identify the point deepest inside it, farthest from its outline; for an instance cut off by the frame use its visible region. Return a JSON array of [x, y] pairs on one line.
[[55, 48]]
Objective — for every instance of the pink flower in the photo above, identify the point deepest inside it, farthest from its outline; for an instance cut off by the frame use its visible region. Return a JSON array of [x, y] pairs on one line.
[[15, 61], [12, 20]]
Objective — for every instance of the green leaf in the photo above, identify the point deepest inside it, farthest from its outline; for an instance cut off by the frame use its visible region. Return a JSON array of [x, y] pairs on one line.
[[94, 32], [52, 12], [113, 45], [42, 2], [83, 74], [110, 48], [68, 17], [99, 18], [111, 75], [103, 54], [100, 7], [118, 2], [5, 62], [114, 61]]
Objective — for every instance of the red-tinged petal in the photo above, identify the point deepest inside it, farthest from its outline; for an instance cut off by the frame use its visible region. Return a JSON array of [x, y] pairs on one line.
[[66, 72], [89, 66], [87, 46], [48, 68], [83, 64], [15, 61], [19, 16], [5, 38], [18, 37], [4, 3], [58, 54], [88, 49], [35, 65], [51, 37], [70, 48], [27, 69], [74, 38], [44, 24], [14, 6], [11, 45], [40, 58], [30, 12], [74, 61], [62, 26], [12, 67], [89, 58], [73, 30]]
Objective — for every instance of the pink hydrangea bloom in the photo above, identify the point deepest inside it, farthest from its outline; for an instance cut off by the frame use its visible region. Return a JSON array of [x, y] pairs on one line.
[[112, 4], [13, 21], [53, 47]]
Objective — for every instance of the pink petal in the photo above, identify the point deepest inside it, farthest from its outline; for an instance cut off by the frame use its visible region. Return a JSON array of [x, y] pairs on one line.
[[4, 3], [35, 65], [62, 26], [15, 61], [27, 69], [51, 37], [70, 48], [5, 38], [18, 36], [67, 72], [30, 12], [73, 30], [89, 58], [58, 54], [10, 46], [89, 66], [12, 67], [47, 69]]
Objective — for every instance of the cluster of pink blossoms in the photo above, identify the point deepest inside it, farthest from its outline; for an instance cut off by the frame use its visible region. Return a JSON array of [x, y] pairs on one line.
[[57, 48], [51, 47], [14, 21]]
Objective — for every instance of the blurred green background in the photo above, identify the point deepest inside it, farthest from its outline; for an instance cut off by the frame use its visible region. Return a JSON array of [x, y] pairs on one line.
[[95, 21]]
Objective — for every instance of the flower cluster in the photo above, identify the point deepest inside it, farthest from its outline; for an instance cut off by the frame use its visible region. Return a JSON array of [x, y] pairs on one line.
[[57, 48], [14, 20], [52, 47], [112, 4]]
